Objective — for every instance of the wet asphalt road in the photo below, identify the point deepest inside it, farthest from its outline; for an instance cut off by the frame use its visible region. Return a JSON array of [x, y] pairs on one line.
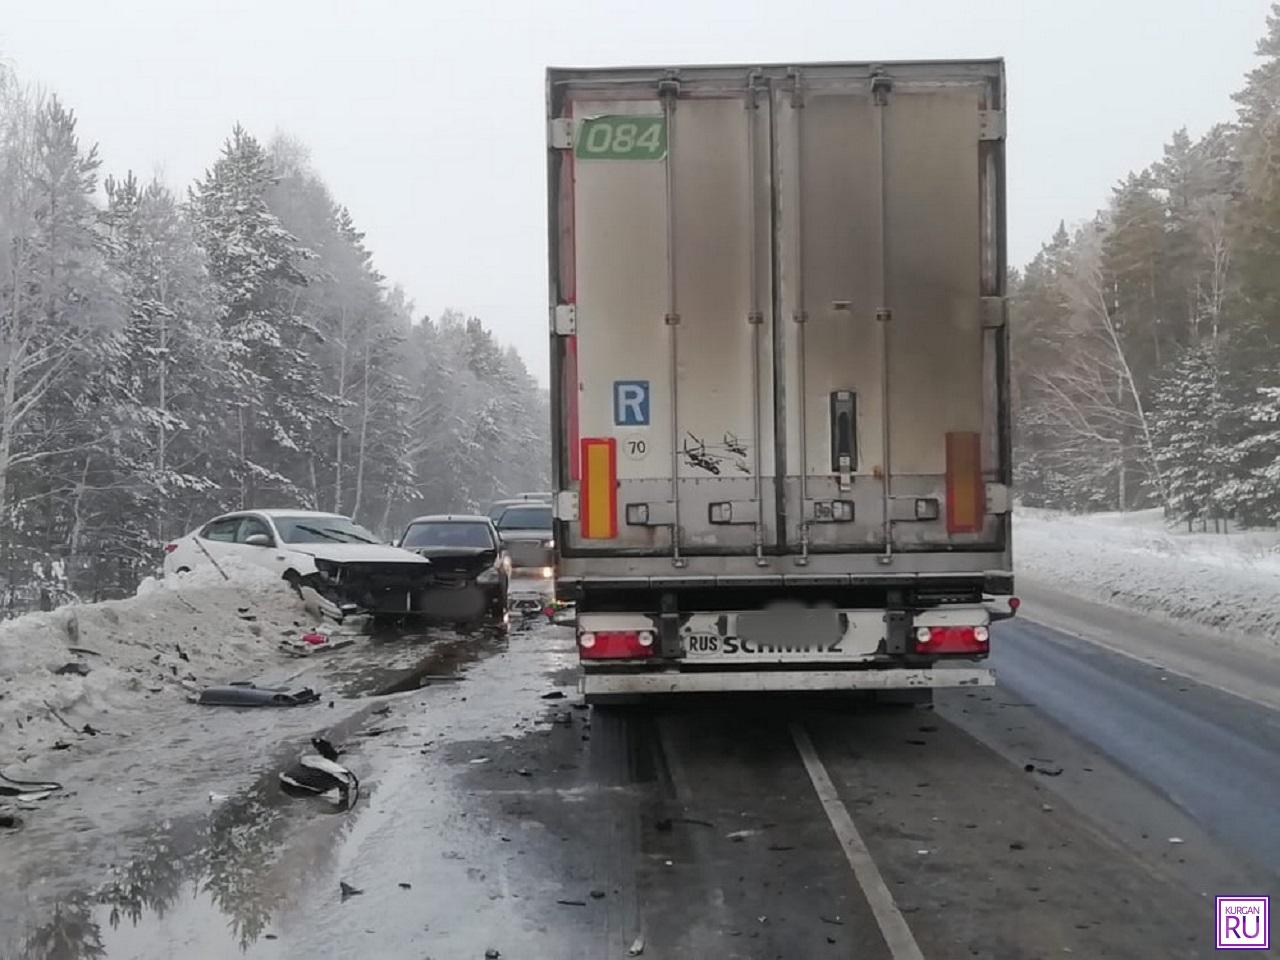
[[1214, 755], [495, 819]]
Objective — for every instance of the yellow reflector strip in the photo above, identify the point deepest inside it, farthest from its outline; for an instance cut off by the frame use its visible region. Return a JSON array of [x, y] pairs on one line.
[[966, 494], [599, 496]]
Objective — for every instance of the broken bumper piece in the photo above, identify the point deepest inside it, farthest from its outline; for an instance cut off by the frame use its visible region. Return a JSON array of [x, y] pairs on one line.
[[248, 695]]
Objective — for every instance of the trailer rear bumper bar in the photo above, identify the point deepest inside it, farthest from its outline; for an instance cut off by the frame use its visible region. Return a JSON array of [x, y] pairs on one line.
[[761, 681]]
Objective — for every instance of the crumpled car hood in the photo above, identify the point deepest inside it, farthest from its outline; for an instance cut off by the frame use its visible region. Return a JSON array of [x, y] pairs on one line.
[[358, 553], [454, 551]]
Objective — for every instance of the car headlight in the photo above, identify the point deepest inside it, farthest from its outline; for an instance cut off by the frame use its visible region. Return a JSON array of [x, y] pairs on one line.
[[327, 569], [549, 544]]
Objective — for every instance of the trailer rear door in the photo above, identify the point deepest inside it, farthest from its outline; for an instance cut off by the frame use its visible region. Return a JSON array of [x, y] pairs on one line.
[[779, 309]]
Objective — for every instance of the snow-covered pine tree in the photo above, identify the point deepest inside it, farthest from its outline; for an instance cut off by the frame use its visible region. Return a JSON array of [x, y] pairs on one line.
[[1254, 488], [1189, 421], [58, 305], [1255, 344], [256, 267], [167, 379]]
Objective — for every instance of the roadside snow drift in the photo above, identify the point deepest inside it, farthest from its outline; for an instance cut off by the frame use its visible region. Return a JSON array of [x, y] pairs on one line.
[[117, 656], [1227, 582]]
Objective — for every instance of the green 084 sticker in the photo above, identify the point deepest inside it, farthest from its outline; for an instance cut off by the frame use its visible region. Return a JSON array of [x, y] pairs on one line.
[[622, 138]]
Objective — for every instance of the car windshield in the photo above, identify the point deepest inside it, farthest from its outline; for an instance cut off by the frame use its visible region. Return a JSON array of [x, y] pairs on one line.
[[305, 529], [526, 518], [451, 533]]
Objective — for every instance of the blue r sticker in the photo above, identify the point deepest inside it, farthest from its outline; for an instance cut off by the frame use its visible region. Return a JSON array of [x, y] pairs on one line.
[[631, 403]]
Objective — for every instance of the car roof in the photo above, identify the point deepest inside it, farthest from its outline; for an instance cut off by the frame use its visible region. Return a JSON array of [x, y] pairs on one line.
[[295, 513], [451, 518], [277, 514]]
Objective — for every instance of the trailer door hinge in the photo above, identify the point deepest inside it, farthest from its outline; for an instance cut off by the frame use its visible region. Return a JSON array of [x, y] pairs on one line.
[[990, 124], [994, 312], [560, 133], [564, 320], [566, 505], [998, 499]]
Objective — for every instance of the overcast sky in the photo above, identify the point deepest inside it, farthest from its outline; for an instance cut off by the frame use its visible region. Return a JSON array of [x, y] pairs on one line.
[[426, 119]]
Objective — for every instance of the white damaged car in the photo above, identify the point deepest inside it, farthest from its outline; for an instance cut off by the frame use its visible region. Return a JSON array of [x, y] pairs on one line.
[[332, 555]]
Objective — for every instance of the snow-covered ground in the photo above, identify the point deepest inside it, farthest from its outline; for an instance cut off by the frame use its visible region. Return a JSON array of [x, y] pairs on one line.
[[1226, 582], [154, 756], [155, 648]]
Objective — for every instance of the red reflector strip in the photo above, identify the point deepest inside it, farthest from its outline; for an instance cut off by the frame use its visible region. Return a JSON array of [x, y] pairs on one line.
[[569, 391], [954, 640], [966, 494], [615, 645], [598, 497], [170, 547]]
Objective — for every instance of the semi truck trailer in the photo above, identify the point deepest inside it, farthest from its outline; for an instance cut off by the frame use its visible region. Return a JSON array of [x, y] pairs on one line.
[[780, 374]]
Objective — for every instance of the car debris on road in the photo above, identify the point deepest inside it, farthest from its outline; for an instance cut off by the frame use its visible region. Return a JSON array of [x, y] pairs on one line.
[[248, 695], [27, 790], [313, 642], [321, 776]]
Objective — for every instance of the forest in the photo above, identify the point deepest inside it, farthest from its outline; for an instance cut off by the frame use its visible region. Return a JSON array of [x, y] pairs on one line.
[[165, 357], [1146, 341]]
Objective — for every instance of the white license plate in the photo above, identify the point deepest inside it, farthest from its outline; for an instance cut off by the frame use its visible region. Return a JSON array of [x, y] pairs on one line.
[[808, 635]]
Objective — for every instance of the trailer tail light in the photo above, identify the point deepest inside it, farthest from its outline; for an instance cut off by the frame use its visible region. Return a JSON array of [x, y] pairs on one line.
[[170, 547], [943, 640], [615, 644]]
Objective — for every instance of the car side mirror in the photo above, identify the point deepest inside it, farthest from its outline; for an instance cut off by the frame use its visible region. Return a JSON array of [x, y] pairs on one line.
[[258, 540]]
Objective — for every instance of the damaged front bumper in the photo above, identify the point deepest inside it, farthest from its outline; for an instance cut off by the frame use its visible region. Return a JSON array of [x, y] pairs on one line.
[[381, 589]]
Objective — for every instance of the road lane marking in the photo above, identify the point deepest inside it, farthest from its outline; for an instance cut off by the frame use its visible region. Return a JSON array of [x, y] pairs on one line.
[[893, 927]]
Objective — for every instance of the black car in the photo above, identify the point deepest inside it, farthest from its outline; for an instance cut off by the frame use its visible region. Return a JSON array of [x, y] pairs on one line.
[[469, 565]]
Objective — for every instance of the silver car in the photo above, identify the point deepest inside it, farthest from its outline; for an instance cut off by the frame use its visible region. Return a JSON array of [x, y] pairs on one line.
[[525, 529]]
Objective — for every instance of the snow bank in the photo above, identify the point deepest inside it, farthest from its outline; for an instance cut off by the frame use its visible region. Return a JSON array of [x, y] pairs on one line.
[[162, 644], [231, 571], [1228, 582]]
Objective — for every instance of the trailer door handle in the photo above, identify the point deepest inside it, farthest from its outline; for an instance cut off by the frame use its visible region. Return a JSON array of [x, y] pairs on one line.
[[844, 448]]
